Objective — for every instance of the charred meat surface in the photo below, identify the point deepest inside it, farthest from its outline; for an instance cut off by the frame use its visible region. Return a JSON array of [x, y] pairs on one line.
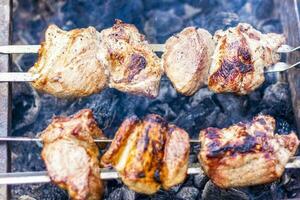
[[132, 64], [246, 154], [67, 65], [240, 57], [71, 155], [148, 154], [187, 59]]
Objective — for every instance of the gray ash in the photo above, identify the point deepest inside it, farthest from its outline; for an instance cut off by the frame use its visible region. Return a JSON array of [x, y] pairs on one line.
[[158, 19]]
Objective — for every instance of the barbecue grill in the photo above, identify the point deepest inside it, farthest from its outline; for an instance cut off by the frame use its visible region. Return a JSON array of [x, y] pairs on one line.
[[288, 16]]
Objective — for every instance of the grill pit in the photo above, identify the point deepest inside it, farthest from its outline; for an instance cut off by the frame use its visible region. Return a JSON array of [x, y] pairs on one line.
[[31, 112]]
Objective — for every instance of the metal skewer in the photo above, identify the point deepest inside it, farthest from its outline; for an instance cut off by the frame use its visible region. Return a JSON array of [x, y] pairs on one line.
[[42, 177], [28, 139], [28, 77], [20, 49]]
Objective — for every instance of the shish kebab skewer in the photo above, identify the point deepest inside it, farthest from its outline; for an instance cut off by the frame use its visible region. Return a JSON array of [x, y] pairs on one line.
[[255, 52], [14, 178], [21, 49], [28, 77], [105, 174]]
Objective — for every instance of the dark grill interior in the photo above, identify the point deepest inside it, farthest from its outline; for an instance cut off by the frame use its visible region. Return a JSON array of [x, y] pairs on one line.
[[158, 20]]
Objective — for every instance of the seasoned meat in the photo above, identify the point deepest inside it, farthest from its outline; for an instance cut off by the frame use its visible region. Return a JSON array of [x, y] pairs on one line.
[[240, 57], [187, 59], [246, 154], [132, 64], [148, 154], [67, 65], [71, 156]]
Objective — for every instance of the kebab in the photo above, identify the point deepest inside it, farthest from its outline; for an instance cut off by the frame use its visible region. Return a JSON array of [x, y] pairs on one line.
[[82, 62], [71, 155], [236, 64], [150, 153], [246, 154]]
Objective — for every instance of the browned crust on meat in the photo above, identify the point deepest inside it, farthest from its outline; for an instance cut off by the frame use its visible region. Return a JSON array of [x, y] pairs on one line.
[[187, 58], [67, 136], [67, 69], [146, 155], [132, 64], [239, 60], [228, 161]]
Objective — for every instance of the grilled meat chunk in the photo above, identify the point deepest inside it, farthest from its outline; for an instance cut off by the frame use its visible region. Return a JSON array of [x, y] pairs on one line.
[[71, 156], [240, 57], [187, 59], [246, 154], [132, 64], [67, 65], [148, 154]]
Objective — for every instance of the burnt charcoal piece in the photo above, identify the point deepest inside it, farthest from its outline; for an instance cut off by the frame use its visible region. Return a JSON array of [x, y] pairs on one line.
[[211, 191], [41, 191], [222, 20], [200, 180], [264, 8], [277, 102], [162, 24], [115, 194], [188, 193]]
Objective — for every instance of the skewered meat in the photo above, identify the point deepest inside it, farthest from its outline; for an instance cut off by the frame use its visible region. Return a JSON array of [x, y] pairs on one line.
[[240, 57], [149, 153], [67, 65], [246, 153], [71, 156], [187, 59], [132, 64]]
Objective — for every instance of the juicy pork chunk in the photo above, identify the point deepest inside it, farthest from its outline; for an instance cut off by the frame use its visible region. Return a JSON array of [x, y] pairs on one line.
[[187, 59], [72, 157], [246, 154], [67, 65], [132, 64], [149, 154], [240, 57]]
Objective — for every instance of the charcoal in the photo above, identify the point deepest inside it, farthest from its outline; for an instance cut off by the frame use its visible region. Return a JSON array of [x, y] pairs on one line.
[[115, 194], [158, 20], [128, 194], [211, 191], [233, 106], [40, 191], [200, 180], [162, 24], [276, 101], [160, 195], [222, 20], [175, 188], [264, 8], [188, 193], [271, 25]]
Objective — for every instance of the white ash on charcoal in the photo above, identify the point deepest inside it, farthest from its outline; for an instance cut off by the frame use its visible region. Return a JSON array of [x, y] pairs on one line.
[[157, 20]]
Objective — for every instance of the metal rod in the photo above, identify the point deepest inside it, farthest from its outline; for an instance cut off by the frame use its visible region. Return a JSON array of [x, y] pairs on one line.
[[42, 177], [17, 49], [287, 49], [28, 139], [11, 49]]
